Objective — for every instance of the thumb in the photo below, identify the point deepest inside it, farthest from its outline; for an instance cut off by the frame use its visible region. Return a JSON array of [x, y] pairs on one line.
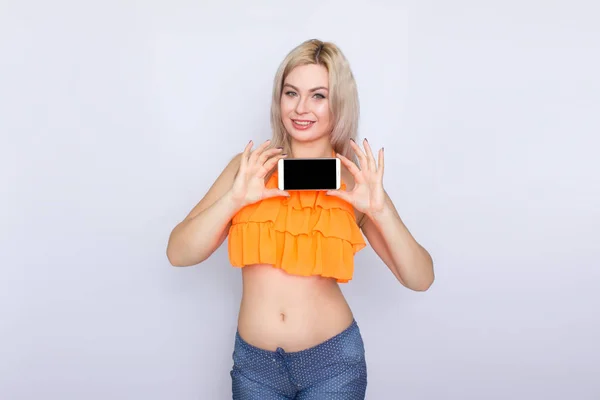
[[275, 193], [342, 194]]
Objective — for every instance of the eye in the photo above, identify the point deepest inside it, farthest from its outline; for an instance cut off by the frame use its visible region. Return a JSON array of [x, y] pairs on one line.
[[319, 96], [290, 93]]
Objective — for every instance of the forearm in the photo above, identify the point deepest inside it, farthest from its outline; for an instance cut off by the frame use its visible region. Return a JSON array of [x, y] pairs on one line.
[[411, 261], [195, 239]]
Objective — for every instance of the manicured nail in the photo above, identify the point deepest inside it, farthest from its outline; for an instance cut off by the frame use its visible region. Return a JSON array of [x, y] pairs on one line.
[[366, 140], [285, 154], [352, 140]]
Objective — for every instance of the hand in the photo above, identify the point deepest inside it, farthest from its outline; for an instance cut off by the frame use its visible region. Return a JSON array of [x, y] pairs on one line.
[[368, 195], [249, 184]]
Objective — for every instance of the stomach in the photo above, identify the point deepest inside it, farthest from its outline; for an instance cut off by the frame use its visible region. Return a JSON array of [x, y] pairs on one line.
[[291, 312]]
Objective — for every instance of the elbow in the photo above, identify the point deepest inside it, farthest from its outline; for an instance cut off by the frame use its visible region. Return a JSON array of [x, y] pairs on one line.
[[173, 259], [424, 285], [417, 285], [174, 256], [171, 251], [422, 281], [175, 250], [428, 277], [176, 260]]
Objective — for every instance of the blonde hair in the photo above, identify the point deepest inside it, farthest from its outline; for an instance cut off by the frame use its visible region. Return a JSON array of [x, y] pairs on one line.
[[343, 94]]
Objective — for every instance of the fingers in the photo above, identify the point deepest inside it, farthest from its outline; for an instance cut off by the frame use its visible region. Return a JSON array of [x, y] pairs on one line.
[[259, 156], [245, 155], [353, 168], [268, 154], [362, 159], [380, 162], [270, 164], [256, 153], [367, 159], [370, 158]]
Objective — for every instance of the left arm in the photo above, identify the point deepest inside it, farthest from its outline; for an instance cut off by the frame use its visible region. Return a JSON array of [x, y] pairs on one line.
[[410, 263], [391, 240]]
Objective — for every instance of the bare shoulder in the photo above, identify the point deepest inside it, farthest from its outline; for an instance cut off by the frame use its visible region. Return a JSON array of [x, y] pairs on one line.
[[233, 166], [219, 187], [225, 179]]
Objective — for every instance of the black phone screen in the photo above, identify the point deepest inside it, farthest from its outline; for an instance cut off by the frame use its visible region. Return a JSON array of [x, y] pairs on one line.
[[309, 174]]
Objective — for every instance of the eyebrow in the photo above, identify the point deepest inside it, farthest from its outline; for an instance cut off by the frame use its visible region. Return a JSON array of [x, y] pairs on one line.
[[311, 90]]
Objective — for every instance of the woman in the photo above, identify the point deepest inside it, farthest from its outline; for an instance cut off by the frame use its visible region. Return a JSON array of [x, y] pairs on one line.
[[297, 337]]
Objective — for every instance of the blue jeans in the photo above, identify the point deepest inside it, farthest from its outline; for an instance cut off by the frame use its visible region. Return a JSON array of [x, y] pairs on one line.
[[332, 370]]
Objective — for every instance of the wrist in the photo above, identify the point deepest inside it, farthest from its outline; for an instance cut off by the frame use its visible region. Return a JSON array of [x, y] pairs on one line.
[[236, 202], [378, 216]]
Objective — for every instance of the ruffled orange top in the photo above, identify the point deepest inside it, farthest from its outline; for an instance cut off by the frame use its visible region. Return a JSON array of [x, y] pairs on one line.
[[308, 233]]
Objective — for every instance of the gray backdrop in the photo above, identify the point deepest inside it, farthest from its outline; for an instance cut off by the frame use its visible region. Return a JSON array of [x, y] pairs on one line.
[[116, 116]]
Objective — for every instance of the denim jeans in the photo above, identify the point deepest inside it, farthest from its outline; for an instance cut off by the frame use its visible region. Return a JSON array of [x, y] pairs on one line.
[[332, 370]]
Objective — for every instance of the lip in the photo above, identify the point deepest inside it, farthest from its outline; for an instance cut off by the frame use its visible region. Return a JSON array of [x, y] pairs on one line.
[[302, 127]]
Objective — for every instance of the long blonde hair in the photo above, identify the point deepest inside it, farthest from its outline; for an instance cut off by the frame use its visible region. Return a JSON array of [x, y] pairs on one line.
[[343, 94]]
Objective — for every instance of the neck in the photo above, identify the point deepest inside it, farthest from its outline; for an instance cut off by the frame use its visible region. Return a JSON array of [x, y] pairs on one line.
[[317, 149]]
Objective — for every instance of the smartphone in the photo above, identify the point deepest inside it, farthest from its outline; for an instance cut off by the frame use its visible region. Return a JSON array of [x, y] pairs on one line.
[[309, 173]]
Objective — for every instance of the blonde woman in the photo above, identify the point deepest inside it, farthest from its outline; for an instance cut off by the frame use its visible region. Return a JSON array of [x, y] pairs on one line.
[[297, 337]]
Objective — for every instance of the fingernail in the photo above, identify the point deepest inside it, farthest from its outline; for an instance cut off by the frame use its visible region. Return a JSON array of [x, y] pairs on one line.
[[284, 154], [352, 140], [366, 140], [280, 148]]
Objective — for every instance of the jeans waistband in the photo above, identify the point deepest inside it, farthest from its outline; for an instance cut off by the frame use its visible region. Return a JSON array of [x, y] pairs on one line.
[[281, 352]]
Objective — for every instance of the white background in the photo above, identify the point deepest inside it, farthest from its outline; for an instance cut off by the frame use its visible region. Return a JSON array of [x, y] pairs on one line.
[[116, 116]]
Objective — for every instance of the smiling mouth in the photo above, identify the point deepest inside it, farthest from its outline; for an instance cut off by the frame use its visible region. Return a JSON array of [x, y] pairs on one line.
[[302, 123]]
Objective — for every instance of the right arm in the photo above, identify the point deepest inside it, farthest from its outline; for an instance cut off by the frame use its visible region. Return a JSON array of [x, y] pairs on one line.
[[205, 228]]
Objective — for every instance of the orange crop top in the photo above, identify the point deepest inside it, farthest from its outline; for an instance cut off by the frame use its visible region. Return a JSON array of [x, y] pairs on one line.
[[308, 233]]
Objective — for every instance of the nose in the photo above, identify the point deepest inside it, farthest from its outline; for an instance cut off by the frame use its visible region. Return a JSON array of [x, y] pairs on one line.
[[301, 107]]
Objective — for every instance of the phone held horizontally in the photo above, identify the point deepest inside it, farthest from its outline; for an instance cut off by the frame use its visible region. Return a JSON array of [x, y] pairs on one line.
[[309, 174]]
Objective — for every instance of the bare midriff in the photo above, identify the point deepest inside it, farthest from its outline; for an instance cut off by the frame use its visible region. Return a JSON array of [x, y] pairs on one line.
[[291, 312]]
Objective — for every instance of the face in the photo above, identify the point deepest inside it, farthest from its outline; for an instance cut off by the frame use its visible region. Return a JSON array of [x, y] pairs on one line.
[[305, 103]]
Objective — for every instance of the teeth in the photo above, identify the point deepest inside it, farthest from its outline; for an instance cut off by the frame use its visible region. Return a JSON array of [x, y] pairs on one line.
[[303, 123]]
